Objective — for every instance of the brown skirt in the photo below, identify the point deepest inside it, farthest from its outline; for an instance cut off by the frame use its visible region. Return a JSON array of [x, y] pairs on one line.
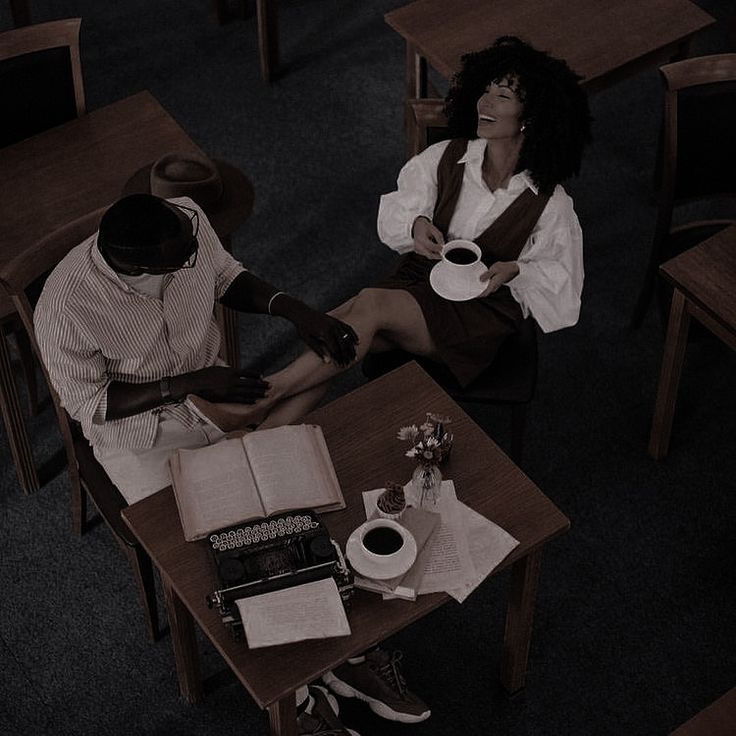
[[467, 334]]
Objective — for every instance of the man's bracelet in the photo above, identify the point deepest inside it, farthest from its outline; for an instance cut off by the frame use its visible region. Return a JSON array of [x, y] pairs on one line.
[[270, 301]]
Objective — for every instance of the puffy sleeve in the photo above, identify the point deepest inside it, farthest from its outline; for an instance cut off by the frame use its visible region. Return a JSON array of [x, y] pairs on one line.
[[550, 279], [415, 196]]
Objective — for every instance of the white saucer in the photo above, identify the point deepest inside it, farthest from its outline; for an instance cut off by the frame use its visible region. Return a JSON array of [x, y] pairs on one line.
[[452, 289], [383, 569]]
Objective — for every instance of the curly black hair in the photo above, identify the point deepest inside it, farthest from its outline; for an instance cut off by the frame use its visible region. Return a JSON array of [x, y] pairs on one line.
[[555, 108]]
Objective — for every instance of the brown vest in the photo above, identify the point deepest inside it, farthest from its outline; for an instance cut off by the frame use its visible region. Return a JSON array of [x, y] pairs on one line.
[[505, 237]]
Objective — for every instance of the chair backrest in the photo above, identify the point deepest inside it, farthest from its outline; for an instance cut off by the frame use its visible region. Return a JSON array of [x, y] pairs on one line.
[[23, 277], [41, 82], [699, 145], [428, 123]]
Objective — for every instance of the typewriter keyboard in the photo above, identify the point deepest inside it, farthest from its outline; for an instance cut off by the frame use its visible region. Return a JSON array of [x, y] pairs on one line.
[[241, 536]]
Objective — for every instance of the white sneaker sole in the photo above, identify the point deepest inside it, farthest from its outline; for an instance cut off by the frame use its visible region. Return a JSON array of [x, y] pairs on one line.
[[377, 706]]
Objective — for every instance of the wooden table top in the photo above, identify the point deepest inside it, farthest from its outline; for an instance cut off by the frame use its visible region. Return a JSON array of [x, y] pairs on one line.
[[598, 40], [718, 719], [706, 274], [76, 168], [360, 430]]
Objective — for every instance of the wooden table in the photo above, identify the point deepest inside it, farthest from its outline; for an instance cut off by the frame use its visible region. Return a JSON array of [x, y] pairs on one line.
[[704, 281], [602, 41], [57, 176], [718, 719], [360, 429]]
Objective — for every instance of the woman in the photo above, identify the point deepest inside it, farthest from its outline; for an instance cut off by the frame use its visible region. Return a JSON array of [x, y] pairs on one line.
[[519, 122]]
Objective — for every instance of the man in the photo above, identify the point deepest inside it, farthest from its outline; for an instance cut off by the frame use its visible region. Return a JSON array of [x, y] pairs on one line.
[[126, 329]]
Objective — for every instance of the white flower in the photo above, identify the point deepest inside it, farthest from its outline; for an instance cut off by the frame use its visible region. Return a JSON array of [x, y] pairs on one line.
[[427, 427], [428, 454], [431, 442], [411, 453], [408, 433]]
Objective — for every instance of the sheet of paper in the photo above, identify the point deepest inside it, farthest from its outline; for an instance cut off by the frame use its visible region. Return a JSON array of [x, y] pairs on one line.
[[309, 611], [489, 546], [214, 487], [291, 467], [445, 560]]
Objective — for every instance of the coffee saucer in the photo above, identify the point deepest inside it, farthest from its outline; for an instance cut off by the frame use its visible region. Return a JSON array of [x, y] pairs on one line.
[[449, 287], [380, 569]]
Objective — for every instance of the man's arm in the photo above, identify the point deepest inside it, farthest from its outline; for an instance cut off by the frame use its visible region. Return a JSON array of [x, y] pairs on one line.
[[327, 336], [216, 383]]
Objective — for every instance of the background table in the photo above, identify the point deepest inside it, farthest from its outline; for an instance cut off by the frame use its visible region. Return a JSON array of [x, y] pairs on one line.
[[704, 281], [360, 430], [601, 41], [58, 176]]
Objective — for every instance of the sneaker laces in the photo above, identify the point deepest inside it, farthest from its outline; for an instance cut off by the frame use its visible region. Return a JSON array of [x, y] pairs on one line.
[[390, 672]]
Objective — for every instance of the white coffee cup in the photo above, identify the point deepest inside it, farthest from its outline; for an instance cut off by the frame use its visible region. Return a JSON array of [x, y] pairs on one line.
[[460, 260]]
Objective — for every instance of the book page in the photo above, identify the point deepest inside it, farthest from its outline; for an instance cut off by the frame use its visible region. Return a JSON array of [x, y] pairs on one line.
[[308, 611], [292, 469], [214, 488]]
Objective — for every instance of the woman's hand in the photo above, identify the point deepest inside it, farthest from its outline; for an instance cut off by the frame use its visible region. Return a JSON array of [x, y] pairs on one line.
[[428, 240], [330, 338], [498, 274]]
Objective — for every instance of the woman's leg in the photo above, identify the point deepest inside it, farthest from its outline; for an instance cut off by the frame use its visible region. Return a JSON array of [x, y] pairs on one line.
[[382, 319]]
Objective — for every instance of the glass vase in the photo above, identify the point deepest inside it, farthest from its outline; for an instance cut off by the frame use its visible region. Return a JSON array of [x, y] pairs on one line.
[[427, 482]]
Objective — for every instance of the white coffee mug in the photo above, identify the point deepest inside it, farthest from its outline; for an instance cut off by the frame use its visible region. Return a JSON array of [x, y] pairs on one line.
[[460, 260]]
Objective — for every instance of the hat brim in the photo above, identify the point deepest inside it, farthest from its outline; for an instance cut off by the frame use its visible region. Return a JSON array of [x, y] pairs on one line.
[[228, 213]]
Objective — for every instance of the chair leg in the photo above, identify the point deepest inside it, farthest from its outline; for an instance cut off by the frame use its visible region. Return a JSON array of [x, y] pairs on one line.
[[25, 353], [78, 502], [518, 427], [143, 572]]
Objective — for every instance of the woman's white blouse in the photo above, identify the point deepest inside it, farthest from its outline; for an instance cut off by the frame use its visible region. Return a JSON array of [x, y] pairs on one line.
[[550, 279]]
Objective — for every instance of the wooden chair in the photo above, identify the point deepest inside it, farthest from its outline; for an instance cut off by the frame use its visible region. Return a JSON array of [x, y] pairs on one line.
[[22, 278], [512, 378], [41, 86], [41, 81], [696, 165]]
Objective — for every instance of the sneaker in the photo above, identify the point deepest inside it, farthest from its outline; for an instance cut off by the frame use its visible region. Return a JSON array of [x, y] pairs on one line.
[[378, 681], [318, 717]]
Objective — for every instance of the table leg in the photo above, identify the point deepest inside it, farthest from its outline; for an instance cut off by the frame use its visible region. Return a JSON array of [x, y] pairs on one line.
[[519, 619], [20, 447], [184, 643], [268, 37], [669, 377], [282, 716]]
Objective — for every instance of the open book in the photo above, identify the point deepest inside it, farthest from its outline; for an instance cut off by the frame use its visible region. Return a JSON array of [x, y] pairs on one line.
[[251, 477]]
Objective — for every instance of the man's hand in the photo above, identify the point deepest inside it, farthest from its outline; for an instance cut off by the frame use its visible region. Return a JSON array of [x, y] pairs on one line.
[[428, 240], [498, 274], [221, 383], [330, 338]]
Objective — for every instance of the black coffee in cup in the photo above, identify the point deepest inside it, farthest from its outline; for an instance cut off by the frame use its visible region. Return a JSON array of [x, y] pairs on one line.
[[461, 256], [383, 540]]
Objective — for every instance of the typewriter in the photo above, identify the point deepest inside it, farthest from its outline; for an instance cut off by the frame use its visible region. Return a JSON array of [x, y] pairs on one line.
[[271, 554]]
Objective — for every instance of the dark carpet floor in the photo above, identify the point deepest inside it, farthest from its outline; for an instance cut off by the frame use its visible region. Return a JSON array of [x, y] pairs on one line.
[[633, 630]]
